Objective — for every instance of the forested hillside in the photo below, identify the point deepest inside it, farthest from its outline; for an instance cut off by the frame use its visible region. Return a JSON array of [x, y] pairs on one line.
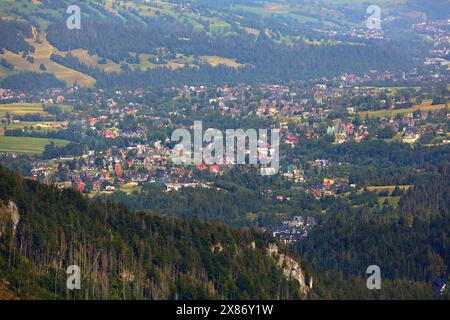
[[125, 254], [129, 255], [171, 43], [411, 244]]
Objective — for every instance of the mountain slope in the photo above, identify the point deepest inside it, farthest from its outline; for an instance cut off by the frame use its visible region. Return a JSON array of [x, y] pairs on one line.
[[410, 244], [128, 255], [166, 43]]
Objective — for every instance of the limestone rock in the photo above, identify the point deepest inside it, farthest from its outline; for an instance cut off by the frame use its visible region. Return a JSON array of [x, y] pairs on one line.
[[9, 212]]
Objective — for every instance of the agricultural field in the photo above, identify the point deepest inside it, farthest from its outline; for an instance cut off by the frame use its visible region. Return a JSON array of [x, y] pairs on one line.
[[43, 50], [34, 126], [110, 66], [393, 201], [426, 106], [216, 61], [388, 189], [398, 137], [26, 145], [130, 187], [145, 63], [390, 91], [93, 61], [65, 107], [268, 9], [385, 193], [20, 109]]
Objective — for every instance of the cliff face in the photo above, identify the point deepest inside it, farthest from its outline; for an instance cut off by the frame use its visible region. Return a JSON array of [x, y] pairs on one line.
[[8, 213], [290, 267], [5, 292]]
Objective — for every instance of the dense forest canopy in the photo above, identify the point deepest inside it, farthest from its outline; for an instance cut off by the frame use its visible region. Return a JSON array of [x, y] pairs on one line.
[[166, 258]]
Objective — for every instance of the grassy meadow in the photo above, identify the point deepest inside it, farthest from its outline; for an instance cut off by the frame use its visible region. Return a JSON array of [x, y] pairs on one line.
[[26, 145]]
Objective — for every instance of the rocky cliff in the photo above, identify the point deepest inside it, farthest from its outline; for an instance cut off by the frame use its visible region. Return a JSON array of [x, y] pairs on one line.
[[290, 267], [8, 213]]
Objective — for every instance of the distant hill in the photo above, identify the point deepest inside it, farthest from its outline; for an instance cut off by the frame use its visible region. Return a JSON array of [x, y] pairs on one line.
[[165, 43]]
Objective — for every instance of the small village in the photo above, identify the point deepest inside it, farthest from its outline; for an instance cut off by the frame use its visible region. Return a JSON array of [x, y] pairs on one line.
[[291, 231]]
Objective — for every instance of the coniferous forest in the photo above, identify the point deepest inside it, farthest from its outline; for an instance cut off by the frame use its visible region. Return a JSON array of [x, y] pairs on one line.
[[126, 254]]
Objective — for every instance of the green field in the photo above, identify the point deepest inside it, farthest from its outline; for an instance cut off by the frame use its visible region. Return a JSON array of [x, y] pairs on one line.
[[37, 126], [65, 107], [42, 52], [26, 145], [389, 189], [20, 108], [425, 107], [393, 201], [130, 187]]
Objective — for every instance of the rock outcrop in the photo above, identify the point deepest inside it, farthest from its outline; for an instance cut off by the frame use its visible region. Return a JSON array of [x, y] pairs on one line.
[[8, 212], [5, 292], [290, 267]]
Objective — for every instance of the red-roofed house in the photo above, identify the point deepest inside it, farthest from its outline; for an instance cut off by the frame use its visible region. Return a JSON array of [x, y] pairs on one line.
[[81, 186], [214, 169], [109, 134]]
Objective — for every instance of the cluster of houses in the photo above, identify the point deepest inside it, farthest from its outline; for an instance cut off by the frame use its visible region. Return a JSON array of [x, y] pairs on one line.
[[8, 95], [293, 230], [300, 112], [329, 187], [344, 132], [121, 168]]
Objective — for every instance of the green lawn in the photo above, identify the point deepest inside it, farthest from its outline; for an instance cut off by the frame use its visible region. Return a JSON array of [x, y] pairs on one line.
[[27, 145]]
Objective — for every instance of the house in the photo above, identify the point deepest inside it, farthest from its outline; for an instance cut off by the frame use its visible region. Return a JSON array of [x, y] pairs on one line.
[[297, 221], [81, 186], [64, 185], [311, 222], [316, 191], [214, 169], [109, 134], [327, 183], [321, 163], [60, 100], [291, 140], [286, 234], [96, 185], [110, 189], [293, 230], [173, 186], [118, 169], [139, 177], [410, 135]]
